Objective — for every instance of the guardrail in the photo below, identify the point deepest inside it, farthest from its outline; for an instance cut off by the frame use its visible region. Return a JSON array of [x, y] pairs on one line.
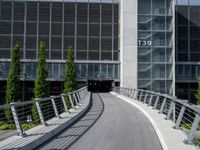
[[184, 115], [46, 108]]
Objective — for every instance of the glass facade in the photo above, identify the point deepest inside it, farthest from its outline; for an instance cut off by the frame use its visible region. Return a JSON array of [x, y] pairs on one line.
[[187, 49], [155, 45], [90, 28]]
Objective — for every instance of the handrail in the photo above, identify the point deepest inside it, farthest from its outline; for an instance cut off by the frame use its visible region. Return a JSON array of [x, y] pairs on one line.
[[184, 115], [46, 108]]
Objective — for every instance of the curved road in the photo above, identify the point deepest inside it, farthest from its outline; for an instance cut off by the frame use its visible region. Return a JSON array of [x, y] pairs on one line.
[[120, 127]]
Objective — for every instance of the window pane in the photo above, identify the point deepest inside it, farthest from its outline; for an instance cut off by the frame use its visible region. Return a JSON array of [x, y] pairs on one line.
[[31, 42], [57, 29], [43, 28], [93, 55], [31, 28], [5, 27], [69, 29], [56, 43], [106, 44], [19, 9], [57, 12], [82, 29], [82, 10], [18, 28], [81, 43], [69, 12], [94, 11], [44, 11], [94, 44], [107, 13], [106, 30], [94, 30], [81, 55], [5, 41], [6, 10], [32, 11]]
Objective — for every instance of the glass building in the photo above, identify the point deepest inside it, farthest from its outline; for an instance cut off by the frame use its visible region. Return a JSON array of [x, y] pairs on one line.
[[155, 45], [147, 44], [89, 26], [187, 48]]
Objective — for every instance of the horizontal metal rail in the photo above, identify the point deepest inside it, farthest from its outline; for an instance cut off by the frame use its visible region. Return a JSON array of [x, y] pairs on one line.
[[19, 114], [184, 115]]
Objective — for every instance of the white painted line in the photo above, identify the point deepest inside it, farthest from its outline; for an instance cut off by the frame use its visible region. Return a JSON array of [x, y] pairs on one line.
[[130, 101]]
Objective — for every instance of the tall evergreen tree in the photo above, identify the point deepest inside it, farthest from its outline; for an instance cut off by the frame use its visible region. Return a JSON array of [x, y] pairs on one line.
[[13, 82], [197, 95], [41, 85], [70, 73]]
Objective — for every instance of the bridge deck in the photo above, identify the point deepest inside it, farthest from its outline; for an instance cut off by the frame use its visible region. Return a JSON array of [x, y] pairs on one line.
[[120, 127]]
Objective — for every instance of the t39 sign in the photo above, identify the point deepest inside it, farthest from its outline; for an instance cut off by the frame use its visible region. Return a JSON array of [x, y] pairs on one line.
[[144, 42]]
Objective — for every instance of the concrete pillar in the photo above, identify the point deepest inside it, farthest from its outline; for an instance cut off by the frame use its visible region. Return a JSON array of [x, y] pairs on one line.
[[128, 43]]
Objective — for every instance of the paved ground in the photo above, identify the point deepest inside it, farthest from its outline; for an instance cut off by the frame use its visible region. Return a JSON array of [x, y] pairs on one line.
[[120, 127], [6, 133]]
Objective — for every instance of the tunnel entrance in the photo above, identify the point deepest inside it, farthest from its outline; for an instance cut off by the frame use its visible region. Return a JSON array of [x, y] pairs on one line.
[[100, 85]]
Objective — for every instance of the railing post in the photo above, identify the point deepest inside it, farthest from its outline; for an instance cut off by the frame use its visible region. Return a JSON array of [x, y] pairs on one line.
[[71, 101], [150, 100], [156, 102], [163, 105], [17, 122], [135, 95], [193, 129], [64, 103], [54, 107], [78, 97], [129, 92], [180, 116], [75, 98], [145, 98], [170, 110], [40, 112], [140, 95]]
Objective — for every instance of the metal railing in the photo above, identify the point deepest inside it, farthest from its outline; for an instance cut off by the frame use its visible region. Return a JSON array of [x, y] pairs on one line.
[[46, 108], [184, 115]]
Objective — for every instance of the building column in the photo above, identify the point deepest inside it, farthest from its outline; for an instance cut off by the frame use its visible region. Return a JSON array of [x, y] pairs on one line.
[[128, 43]]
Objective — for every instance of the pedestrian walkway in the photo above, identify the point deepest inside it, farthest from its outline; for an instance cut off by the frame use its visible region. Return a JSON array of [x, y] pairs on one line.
[[70, 135]]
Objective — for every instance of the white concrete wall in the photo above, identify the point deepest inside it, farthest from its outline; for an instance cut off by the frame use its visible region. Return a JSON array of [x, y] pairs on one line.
[[128, 43]]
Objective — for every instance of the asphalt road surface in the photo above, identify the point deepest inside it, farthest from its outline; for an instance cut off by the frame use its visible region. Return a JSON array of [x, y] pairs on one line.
[[111, 124]]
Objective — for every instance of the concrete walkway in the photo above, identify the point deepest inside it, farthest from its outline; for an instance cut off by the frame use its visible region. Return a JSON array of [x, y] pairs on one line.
[[4, 134], [171, 139], [120, 127], [70, 135]]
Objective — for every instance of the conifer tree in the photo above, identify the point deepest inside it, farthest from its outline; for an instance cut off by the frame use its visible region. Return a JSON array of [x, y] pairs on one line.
[[70, 73], [13, 82], [41, 85]]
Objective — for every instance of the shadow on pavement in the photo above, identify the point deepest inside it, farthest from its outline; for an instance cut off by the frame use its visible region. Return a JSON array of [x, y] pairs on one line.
[[70, 135]]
